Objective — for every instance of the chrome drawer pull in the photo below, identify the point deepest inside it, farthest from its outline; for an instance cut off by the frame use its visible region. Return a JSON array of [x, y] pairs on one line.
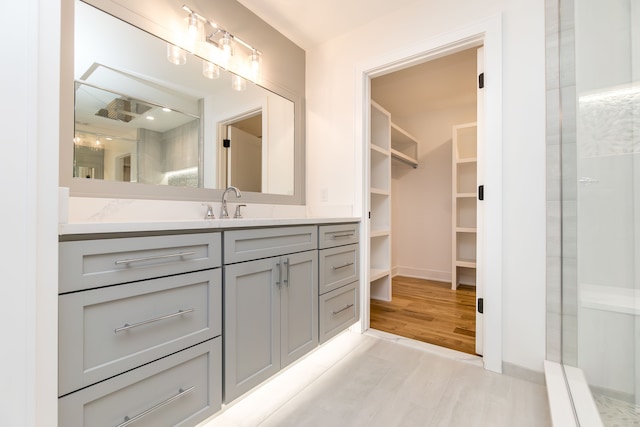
[[180, 394], [279, 281], [340, 311], [342, 266], [149, 258], [144, 322], [339, 236], [286, 263]]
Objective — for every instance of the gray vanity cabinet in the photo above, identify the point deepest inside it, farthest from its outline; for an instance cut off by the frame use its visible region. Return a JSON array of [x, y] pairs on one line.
[[271, 306], [140, 324], [339, 278]]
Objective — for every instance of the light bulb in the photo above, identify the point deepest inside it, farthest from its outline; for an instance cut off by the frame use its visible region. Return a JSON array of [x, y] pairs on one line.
[[192, 28], [175, 55], [255, 60], [238, 83], [226, 48], [210, 70]]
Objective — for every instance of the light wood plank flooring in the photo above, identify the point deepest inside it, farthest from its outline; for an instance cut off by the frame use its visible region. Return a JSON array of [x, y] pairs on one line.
[[429, 311], [365, 380]]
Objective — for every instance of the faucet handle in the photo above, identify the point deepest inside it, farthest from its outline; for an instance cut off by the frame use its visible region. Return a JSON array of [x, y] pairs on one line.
[[209, 214], [238, 213]]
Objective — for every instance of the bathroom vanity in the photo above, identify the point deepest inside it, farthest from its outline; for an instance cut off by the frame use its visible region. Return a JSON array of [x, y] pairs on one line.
[[160, 327]]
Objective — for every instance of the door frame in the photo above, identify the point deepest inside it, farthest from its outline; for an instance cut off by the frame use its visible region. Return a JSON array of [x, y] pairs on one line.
[[488, 33]]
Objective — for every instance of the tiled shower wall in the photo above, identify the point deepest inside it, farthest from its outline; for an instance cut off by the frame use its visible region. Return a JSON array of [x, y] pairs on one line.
[[561, 305]]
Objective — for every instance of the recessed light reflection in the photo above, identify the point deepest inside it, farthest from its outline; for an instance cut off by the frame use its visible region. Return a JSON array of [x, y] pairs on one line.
[[166, 110], [150, 118]]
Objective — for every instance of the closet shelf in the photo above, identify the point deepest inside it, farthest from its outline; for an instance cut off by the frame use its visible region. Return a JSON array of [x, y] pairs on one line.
[[395, 154], [464, 211], [404, 146], [462, 195], [469, 263], [379, 149], [377, 273], [379, 191], [466, 229], [467, 160], [380, 233], [380, 203]]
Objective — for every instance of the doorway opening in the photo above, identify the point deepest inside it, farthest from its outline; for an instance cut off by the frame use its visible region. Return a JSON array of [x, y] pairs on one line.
[[123, 168], [428, 207], [243, 151]]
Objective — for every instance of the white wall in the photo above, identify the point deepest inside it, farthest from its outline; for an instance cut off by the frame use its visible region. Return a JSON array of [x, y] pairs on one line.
[[28, 258], [331, 145], [421, 202]]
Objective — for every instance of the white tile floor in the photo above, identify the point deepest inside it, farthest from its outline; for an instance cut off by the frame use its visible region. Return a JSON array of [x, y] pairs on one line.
[[381, 380]]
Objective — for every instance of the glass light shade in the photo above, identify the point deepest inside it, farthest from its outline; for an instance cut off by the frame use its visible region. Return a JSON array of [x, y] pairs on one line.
[[210, 70], [226, 48], [238, 83], [192, 28], [255, 63], [175, 55]]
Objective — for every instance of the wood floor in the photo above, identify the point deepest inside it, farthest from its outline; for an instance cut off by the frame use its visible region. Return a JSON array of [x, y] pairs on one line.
[[429, 311]]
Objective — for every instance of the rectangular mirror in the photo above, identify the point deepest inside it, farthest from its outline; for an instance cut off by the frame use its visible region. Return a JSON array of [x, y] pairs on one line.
[[145, 117]]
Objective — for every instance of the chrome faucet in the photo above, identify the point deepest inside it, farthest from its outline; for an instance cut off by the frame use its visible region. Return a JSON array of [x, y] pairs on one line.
[[223, 210]]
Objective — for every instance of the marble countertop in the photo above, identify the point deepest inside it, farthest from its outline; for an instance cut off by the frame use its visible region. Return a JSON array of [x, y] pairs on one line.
[[204, 224]]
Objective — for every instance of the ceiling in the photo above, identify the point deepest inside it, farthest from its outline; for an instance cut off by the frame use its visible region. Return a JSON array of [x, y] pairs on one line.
[[442, 83], [310, 23], [446, 82]]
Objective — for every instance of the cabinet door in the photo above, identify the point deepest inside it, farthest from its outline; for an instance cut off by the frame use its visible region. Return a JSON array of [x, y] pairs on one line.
[[252, 324], [299, 329]]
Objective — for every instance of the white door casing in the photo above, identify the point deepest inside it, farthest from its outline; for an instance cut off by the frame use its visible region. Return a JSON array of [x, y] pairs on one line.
[[486, 33]]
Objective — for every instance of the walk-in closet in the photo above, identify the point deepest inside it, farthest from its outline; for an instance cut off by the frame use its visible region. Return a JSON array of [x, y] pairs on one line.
[[423, 197]]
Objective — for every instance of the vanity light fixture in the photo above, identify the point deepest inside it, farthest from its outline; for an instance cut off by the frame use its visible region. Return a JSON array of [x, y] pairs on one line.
[[225, 42], [255, 61]]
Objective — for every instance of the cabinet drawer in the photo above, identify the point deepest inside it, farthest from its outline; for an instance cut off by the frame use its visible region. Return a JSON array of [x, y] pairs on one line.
[[93, 263], [339, 309], [250, 244], [106, 331], [337, 235], [179, 390], [338, 267]]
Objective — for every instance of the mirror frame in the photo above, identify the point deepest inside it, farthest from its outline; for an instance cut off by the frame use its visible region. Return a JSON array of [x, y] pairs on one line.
[[79, 187]]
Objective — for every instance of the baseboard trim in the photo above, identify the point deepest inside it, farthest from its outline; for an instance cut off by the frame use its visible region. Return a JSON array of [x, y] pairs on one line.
[[419, 273]]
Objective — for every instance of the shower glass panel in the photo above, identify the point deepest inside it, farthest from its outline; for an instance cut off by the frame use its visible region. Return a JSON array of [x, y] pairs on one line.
[[601, 204]]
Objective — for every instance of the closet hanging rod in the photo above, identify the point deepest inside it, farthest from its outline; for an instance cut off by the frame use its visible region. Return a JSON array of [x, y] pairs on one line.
[[411, 163]]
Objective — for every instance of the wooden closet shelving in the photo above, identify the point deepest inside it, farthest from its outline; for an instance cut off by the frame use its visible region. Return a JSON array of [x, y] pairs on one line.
[[464, 205]]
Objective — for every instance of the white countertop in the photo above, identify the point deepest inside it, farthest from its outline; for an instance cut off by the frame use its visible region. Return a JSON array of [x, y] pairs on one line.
[[204, 224]]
